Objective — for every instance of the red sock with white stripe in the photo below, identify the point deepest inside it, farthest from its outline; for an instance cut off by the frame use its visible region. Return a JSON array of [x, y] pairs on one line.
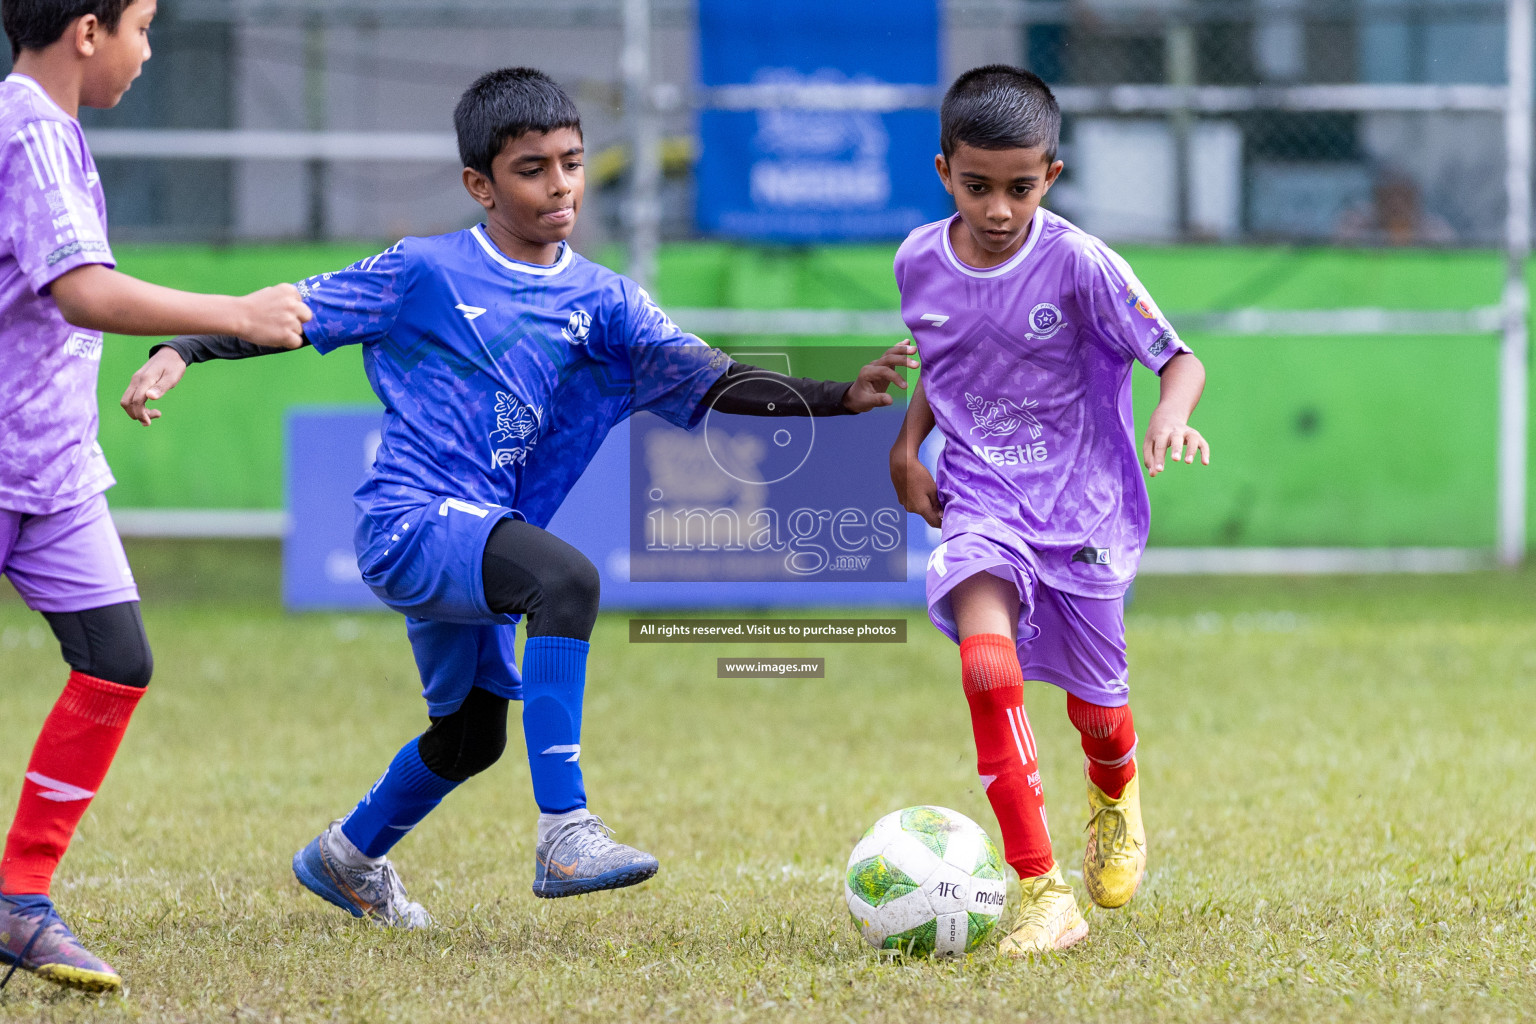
[[1109, 741], [73, 753], [1005, 750]]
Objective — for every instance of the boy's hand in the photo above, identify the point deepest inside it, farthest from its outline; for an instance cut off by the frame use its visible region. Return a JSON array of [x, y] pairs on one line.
[[916, 489], [275, 317], [152, 381], [1169, 435], [868, 391]]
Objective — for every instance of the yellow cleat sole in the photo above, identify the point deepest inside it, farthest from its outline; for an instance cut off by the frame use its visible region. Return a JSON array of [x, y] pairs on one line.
[[79, 978]]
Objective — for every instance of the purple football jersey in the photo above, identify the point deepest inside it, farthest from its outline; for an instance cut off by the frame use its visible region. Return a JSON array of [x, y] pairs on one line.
[[1027, 367], [53, 218]]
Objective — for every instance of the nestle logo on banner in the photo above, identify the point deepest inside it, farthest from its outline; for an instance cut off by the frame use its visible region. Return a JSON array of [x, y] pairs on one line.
[[765, 499], [818, 158]]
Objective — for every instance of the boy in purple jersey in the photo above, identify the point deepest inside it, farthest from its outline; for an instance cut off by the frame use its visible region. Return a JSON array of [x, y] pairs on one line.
[[1028, 329], [58, 546]]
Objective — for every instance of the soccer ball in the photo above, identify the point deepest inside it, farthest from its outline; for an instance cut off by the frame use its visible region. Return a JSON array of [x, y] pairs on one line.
[[925, 881]]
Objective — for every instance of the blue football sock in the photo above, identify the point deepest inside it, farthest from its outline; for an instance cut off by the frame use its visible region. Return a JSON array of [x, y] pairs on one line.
[[554, 678], [404, 794]]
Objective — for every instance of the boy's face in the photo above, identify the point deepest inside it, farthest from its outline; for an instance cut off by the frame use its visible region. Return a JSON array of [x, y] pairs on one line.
[[536, 187], [114, 59], [997, 192]]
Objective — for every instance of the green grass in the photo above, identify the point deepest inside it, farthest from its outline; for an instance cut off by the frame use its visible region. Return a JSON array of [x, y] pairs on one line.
[[1335, 785]]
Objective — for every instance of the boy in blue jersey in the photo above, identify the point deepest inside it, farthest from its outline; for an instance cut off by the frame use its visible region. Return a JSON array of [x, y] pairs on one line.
[[502, 358]]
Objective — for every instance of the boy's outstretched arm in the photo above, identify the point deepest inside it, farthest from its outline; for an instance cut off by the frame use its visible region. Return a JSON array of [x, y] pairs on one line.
[[1168, 431], [169, 360], [747, 390], [914, 485], [99, 298]]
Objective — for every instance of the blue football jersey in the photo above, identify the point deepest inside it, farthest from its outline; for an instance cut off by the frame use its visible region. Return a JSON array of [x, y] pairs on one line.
[[500, 379]]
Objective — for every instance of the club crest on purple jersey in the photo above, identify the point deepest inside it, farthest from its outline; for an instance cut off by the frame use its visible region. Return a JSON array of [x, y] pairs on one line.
[[1000, 418], [1045, 320]]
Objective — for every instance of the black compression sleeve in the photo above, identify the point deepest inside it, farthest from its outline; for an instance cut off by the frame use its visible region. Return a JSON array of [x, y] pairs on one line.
[[199, 348], [753, 391]]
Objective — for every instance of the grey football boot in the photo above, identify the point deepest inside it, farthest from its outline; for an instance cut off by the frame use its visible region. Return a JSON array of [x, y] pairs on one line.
[[581, 856], [375, 892]]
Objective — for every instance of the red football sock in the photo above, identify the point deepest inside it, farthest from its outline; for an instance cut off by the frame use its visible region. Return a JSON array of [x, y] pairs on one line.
[[71, 758], [1109, 740], [1005, 750]]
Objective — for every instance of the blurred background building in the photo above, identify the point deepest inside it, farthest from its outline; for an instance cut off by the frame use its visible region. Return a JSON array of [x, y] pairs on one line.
[[1362, 176]]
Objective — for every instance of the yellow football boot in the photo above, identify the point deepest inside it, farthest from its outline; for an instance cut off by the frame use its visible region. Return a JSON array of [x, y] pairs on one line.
[[1116, 858], [1048, 917]]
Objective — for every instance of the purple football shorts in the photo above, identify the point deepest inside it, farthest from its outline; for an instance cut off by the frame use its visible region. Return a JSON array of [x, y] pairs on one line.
[[66, 561], [1076, 643]]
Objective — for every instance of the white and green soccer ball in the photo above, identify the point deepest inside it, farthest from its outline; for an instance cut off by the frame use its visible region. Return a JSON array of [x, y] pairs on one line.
[[925, 881]]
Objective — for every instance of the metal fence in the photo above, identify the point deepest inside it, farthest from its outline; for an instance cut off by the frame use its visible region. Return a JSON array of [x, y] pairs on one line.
[[1366, 122]]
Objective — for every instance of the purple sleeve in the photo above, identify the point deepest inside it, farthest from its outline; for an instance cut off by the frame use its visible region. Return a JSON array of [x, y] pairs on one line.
[[673, 370], [357, 305], [46, 205], [1122, 312]]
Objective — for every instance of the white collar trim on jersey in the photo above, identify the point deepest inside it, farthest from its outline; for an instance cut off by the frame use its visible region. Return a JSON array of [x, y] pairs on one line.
[[522, 268], [27, 81], [998, 271]]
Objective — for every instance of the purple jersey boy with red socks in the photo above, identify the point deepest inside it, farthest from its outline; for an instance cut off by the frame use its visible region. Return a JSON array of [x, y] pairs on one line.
[[58, 545], [1028, 329]]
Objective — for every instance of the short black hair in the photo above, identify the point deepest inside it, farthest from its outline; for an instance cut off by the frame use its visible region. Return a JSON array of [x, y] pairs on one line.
[[1000, 107], [36, 24], [504, 104]]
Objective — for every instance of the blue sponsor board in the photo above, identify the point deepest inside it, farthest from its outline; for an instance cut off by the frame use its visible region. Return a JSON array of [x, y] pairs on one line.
[[750, 499], [840, 161], [329, 450]]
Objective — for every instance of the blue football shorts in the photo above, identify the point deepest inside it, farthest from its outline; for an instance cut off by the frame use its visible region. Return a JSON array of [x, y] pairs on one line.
[[425, 562]]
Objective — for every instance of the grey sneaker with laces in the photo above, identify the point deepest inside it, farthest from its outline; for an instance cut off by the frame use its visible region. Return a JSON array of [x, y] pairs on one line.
[[581, 856], [375, 892]]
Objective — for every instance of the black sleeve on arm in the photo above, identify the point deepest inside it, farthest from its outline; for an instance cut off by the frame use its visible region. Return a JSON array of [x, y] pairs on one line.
[[753, 391], [199, 348]]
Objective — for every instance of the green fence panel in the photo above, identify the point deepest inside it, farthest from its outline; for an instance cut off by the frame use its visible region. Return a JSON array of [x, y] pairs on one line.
[[1319, 441]]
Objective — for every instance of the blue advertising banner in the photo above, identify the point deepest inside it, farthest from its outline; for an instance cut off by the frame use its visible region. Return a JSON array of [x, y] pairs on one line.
[[329, 450], [811, 132], [837, 519]]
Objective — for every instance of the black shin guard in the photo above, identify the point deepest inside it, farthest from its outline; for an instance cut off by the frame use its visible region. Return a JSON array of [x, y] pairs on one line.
[[529, 571], [105, 643], [468, 741]]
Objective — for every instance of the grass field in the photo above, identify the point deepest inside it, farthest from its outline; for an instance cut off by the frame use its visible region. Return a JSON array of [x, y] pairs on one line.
[[1336, 784]]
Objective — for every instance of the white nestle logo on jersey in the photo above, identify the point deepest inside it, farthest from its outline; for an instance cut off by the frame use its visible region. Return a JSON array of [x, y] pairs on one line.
[[1000, 417], [574, 749], [517, 430], [58, 792], [577, 329], [470, 312], [84, 346], [937, 319]]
